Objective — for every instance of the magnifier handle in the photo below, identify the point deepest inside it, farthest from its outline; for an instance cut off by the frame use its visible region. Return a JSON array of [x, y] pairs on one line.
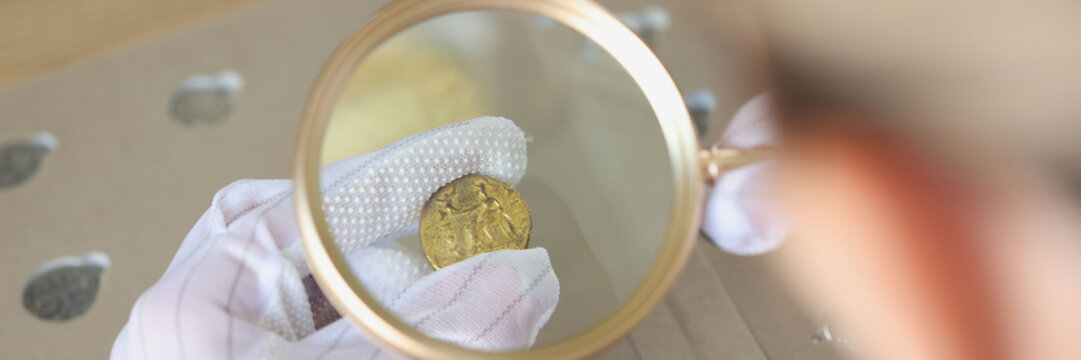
[[717, 161]]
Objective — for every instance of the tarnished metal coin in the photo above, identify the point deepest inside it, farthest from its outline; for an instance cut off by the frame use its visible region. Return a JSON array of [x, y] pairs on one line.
[[19, 161], [64, 288], [206, 98], [473, 215]]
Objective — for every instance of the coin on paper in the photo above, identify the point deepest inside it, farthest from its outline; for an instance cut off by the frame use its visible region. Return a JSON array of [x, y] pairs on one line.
[[472, 215]]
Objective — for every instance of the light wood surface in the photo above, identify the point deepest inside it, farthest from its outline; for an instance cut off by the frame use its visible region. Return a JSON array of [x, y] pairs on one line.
[[725, 307], [38, 36]]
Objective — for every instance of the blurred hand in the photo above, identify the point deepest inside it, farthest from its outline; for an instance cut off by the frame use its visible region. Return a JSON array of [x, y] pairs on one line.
[[928, 249]]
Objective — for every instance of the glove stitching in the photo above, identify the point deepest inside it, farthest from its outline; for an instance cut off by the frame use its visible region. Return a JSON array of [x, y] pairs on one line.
[[249, 208], [458, 294], [222, 195], [214, 204], [532, 285], [236, 280], [180, 300]]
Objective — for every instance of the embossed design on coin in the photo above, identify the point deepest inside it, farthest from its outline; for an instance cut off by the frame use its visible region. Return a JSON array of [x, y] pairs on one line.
[[473, 215]]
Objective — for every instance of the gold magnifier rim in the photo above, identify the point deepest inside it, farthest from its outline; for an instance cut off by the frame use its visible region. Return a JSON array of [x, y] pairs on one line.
[[588, 18]]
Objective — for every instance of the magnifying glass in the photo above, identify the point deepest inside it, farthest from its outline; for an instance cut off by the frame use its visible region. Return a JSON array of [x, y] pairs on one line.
[[583, 148]]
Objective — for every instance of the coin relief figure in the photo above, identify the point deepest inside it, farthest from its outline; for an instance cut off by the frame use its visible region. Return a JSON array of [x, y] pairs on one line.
[[473, 215]]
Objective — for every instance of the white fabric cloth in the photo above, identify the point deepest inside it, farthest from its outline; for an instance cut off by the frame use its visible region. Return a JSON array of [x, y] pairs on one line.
[[234, 289], [740, 214]]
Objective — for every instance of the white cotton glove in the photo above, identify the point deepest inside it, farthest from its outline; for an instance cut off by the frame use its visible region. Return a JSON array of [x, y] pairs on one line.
[[740, 214], [235, 288]]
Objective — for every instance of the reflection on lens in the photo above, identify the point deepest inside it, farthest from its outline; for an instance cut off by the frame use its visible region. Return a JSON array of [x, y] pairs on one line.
[[449, 129]]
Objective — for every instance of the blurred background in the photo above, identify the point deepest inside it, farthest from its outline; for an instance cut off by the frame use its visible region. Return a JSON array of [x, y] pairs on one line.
[[119, 119]]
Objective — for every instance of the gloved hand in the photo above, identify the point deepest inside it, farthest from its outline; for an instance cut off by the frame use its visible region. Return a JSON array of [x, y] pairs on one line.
[[740, 214], [235, 288]]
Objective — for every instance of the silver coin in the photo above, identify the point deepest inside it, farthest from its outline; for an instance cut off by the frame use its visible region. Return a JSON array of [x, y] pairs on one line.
[[20, 160], [205, 98], [205, 106], [701, 105], [64, 288]]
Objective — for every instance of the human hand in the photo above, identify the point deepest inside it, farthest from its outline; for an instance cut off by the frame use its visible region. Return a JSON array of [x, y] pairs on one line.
[[235, 288]]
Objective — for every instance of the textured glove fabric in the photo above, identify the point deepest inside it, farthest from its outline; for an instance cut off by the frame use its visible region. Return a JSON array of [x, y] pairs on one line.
[[380, 196], [234, 289], [740, 214]]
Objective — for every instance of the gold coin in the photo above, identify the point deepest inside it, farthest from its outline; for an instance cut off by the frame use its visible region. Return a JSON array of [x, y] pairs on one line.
[[473, 215]]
